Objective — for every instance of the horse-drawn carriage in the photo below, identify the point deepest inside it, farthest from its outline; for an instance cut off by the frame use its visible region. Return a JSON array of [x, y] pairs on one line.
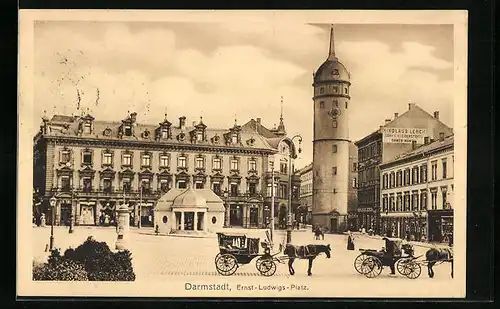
[[239, 249], [371, 262]]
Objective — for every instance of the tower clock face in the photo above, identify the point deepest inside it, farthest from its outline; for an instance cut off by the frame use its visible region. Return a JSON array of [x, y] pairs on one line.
[[334, 112]]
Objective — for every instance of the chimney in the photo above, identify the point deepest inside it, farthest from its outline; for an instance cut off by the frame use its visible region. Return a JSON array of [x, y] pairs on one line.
[[411, 106], [441, 136], [182, 123], [396, 115], [413, 145], [387, 121], [436, 115], [426, 140], [258, 120]]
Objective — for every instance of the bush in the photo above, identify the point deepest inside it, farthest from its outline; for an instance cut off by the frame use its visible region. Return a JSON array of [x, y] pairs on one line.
[[92, 261], [101, 263], [59, 269]]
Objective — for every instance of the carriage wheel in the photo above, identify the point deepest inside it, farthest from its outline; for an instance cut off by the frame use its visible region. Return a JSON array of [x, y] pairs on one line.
[[226, 264], [266, 267], [413, 270], [216, 257], [402, 266], [373, 266], [358, 263]]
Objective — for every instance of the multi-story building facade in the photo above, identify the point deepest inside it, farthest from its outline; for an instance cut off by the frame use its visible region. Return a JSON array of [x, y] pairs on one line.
[[397, 136], [352, 203], [306, 189], [92, 166], [331, 143], [417, 192]]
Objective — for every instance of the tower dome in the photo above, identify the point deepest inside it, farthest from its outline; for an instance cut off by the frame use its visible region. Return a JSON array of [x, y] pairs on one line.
[[332, 69]]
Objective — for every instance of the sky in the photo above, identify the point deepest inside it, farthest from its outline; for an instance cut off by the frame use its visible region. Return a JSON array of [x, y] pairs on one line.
[[238, 71]]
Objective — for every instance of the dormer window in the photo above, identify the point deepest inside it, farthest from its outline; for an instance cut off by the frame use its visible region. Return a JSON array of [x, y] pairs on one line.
[[128, 131], [199, 136], [234, 139], [87, 128], [164, 133]]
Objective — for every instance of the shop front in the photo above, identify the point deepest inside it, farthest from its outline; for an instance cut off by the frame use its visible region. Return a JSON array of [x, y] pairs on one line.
[[87, 213], [440, 225]]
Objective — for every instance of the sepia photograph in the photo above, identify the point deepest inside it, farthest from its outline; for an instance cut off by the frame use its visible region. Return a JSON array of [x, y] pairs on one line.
[[242, 154]]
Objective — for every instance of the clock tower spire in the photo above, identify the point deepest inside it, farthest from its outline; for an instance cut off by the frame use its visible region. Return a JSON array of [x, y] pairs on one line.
[[331, 142]]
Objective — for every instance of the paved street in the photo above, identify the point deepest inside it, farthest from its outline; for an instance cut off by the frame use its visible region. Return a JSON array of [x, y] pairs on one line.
[[181, 261], [160, 256]]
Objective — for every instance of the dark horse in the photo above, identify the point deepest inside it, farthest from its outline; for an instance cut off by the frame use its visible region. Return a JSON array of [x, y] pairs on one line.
[[435, 255], [309, 252]]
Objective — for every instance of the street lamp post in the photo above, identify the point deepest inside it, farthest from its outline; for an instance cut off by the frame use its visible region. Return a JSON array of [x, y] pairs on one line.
[[225, 208], [71, 217], [272, 201], [291, 156], [52, 202]]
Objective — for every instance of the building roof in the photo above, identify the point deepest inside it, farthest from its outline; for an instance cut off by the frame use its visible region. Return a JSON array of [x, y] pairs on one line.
[[190, 198], [413, 108], [305, 169], [430, 148], [253, 135], [332, 69]]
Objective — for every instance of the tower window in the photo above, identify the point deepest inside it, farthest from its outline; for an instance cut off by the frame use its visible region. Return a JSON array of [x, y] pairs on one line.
[[322, 104], [346, 105], [346, 91], [336, 103], [334, 124], [321, 90], [334, 148], [335, 89], [334, 170]]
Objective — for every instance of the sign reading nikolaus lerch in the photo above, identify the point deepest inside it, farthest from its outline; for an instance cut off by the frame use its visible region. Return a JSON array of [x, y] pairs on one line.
[[404, 135]]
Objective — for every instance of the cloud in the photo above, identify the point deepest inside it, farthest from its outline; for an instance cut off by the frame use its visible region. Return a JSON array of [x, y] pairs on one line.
[[149, 72]]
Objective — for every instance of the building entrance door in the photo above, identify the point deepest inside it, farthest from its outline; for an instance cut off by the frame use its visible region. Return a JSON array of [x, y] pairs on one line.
[[65, 214], [254, 216], [236, 215], [334, 225]]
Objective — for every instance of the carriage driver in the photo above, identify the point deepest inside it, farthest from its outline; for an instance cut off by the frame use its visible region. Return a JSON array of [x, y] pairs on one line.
[[390, 248]]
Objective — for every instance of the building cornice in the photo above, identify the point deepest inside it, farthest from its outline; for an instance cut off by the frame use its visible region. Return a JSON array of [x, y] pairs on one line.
[[154, 145], [419, 156]]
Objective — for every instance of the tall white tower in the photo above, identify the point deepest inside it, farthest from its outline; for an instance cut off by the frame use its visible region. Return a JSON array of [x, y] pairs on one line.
[[331, 143]]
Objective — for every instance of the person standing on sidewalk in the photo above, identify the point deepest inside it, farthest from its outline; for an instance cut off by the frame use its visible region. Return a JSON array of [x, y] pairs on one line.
[[350, 241], [389, 251]]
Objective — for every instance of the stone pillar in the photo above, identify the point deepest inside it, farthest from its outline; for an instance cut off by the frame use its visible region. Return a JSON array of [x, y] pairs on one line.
[[182, 220], [195, 225]]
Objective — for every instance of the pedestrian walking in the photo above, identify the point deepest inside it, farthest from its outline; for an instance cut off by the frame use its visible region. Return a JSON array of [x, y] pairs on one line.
[[350, 241]]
